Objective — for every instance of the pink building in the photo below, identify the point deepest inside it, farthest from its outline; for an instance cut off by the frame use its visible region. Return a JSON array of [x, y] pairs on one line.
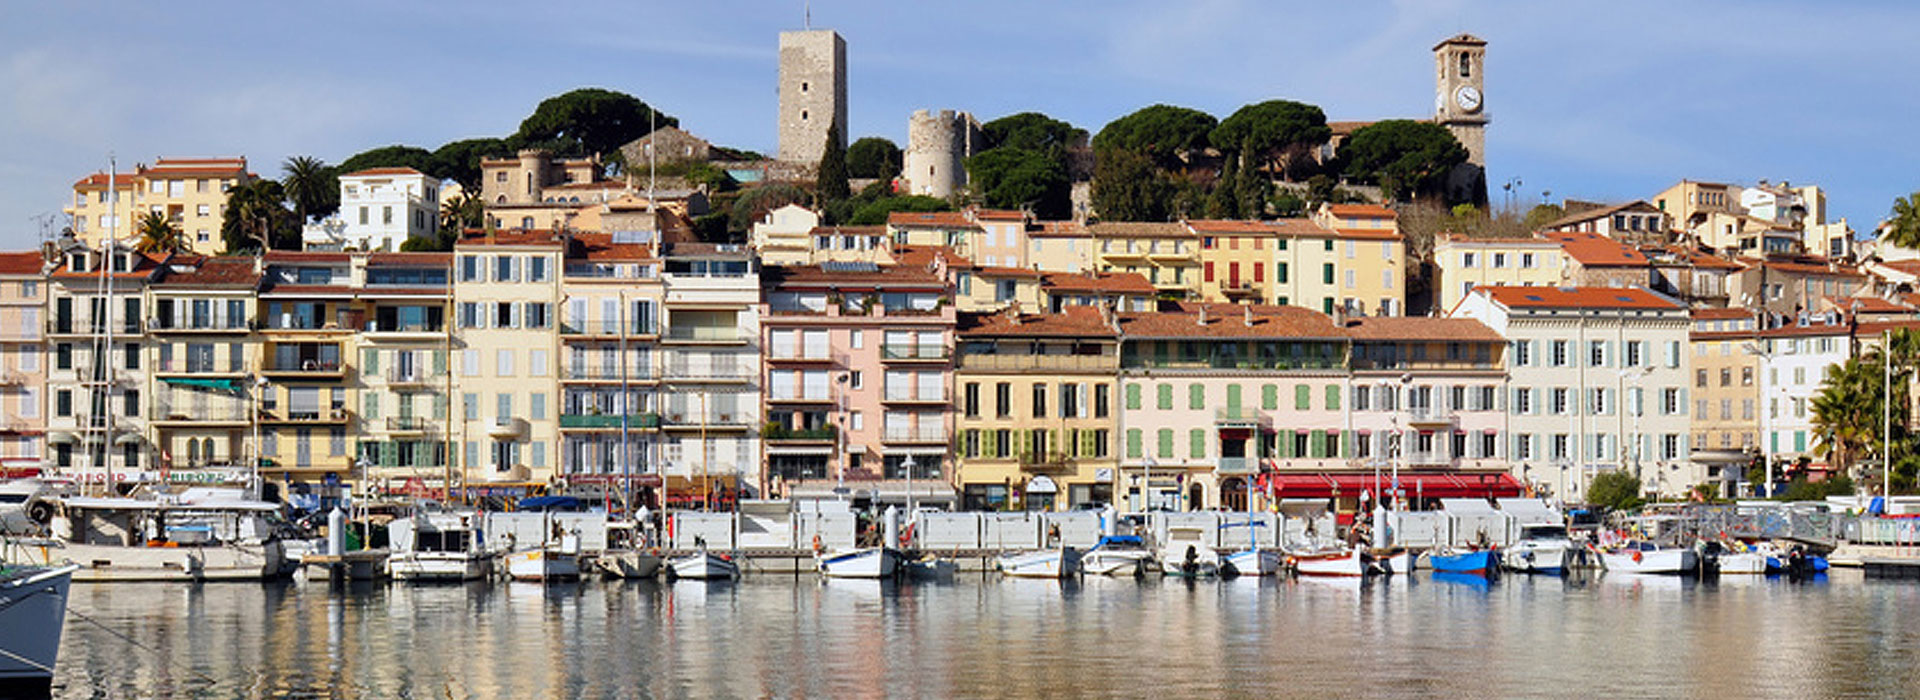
[[23, 377], [858, 381]]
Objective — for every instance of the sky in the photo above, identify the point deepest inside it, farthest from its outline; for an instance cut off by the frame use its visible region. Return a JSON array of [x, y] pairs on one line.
[[1597, 101]]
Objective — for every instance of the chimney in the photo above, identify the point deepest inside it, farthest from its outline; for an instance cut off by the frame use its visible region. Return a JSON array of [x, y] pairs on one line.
[[1248, 316], [1203, 315]]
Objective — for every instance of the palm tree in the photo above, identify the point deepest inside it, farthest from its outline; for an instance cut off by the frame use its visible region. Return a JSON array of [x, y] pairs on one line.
[[1903, 228], [159, 236], [311, 187], [461, 213]]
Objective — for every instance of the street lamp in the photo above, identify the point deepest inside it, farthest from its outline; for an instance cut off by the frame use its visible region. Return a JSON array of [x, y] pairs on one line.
[[1639, 409], [1146, 486], [1766, 411]]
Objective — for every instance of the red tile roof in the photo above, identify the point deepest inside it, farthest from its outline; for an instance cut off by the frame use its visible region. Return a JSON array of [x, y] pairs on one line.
[[891, 276], [1184, 320], [1704, 260], [303, 256], [1376, 234], [1138, 229], [1300, 227], [599, 247], [1577, 298], [236, 271], [1000, 214], [1714, 314], [29, 262], [1806, 265], [1374, 211], [1238, 227], [1075, 322], [1420, 328], [923, 255], [1098, 282], [1044, 229], [1595, 250], [931, 219]]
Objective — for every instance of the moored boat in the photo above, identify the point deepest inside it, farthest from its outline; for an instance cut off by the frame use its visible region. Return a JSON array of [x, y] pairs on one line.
[[1186, 553], [1648, 558], [552, 563], [1118, 555], [1346, 561], [628, 563], [437, 546], [1392, 560], [1060, 563], [33, 609], [140, 539], [1254, 562], [866, 562], [1465, 561], [1540, 549], [930, 567], [703, 565]]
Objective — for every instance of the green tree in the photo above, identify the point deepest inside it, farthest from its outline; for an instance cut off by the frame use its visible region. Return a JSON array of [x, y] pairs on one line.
[[754, 203], [159, 236], [311, 187], [1847, 411], [874, 158], [1127, 187], [395, 156], [831, 182], [1408, 159], [1274, 133], [1541, 215], [460, 160], [457, 216], [1615, 490], [588, 121], [1031, 131], [1169, 135], [1015, 178], [1903, 226], [875, 213], [255, 212]]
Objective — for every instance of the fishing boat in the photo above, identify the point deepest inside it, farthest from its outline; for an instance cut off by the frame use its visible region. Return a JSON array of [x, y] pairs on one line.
[[1253, 562], [1118, 555], [1465, 561], [930, 567], [1649, 558], [1392, 560], [624, 557], [1044, 563], [556, 562], [33, 609], [1186, 553], [703, 565], [865, 562], [1344, 561], [193, 537], [437, 546], [1540, 549]]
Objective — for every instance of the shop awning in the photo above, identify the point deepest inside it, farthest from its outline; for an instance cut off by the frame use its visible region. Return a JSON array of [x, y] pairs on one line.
[[1419, 485], [221, 384]]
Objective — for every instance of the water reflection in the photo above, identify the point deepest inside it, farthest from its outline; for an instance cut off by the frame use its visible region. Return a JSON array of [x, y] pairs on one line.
[[1406, 635]]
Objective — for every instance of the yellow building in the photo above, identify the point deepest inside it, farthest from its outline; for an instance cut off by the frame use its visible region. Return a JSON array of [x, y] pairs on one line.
[[1060, 246], [308, 328], [1373, 274], [1726, 418], [1167, 253], [190, 192], [1036, 413], [1306, 265], [1235, 257], [1464, 263], [610, 364], [203, 361], [506, 294]]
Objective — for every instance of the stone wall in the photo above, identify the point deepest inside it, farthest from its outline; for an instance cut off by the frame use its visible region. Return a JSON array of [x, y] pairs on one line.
[[813, 93]]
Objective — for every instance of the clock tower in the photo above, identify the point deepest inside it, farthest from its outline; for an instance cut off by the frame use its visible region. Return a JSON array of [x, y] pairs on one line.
[[1460, 106]]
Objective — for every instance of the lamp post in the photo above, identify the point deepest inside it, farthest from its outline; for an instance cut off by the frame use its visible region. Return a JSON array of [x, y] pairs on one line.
[[1766, 412], [1639, 409], [908, 465], [1146, 486]]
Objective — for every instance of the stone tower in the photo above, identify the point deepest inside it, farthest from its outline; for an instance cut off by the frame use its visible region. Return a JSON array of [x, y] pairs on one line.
[[813, 93], [1459, 104], [938, 146]]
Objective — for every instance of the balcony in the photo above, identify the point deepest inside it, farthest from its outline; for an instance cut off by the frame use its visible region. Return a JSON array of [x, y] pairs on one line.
[[1124, 253], [609, 373], [788, 357], [130, 326], [1237, 466], [1170, 255], [716, 372], [307, 370], [1430, 418], [1236, 290], [705, 335], [914, 353], [165, 413], [781, 433], [507, 428], [595, 421], [1241, 417], [1102, 364], [800, 398], [1234, 362], [599, 328], [409, 376], [399, 331], [408, 424], [1049, 463], [325, 416], [681, 419], [914, 436], [213, 324], [179, 365]]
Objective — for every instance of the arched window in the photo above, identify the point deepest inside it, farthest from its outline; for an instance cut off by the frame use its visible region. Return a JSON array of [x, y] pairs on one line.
[[193, 452], [526, 222], [1466, 65]]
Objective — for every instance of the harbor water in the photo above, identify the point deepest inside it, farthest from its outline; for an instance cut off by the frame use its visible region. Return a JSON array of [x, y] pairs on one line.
[[982, 636]]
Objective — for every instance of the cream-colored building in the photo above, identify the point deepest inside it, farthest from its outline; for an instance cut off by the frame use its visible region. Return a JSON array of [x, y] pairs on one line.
[[191, 192], [1167, 253], [506, 299], [1464, 263], [203, 357], [1061, 246], [610, 364]]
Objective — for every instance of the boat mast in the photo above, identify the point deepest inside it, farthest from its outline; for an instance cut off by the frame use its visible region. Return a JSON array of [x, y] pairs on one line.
[[626, 412], [103, 335]]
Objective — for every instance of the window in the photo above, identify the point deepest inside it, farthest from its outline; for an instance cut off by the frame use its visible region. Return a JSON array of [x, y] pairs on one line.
[[1101, 399], [1557, 404], [1558, 356], [503, 366], [1670, 401], [1700, 378], [1636, 353], [1165, 397], [1523, 401], [1039, 400], [1726, 376], [1522, 353], [971, 399], [1596, 353], [1003, 400], [1469, 260], [1196, 397]]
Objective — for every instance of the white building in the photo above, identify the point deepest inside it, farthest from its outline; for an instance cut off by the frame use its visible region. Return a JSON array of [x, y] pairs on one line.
[[1598, 381], [1793, 363], [380, 208], [784, 235]]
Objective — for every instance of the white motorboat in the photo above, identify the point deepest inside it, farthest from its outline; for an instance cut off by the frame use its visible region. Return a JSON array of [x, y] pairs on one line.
[[33, 609], [1741, 563], [1186, 553], [439, 546], [1118, 555], [1540, 549], [1393, 560], [866, 562], [26, 506], [543, 564], [1044, 563], [1648, 558], [704, 565], [1346, 561], [170, 539], [1254, 562]]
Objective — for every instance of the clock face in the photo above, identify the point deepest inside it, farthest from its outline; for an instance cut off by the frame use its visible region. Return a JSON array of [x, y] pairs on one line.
[[1468, 97]]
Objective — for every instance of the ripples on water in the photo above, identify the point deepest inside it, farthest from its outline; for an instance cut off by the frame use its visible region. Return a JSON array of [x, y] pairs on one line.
[[977, 636]]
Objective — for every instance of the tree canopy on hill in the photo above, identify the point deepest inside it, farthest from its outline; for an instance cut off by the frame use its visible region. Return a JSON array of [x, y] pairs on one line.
[[1275, 132], [588, 121], [1017, 178], [1405, 158], [395, 156], [873, 157], [1165, 133], [1031, 131]]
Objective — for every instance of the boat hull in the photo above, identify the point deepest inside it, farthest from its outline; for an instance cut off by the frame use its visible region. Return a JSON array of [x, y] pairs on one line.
[[438, 566], [703, 566], [1345, 563], [30, 626], [930, 568], [1117, 562], [1254, 562], [1741, 563], [1476, 562], [232, 562], [1400, 562], [871, 562], [1536, 557], [1659, 561], [1047, 563], [629, 564], [542, 565]]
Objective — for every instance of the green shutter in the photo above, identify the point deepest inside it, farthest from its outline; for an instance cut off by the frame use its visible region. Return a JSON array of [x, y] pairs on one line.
[[989, 444], [1022, 443], [1166, 397], [1270, 397], [1326, 273], [1283, 445], [389, 454], [1233, 399], [439, 363], [1280, 269], [1346, 443], [1197, 443], [439, 407], [1166, 443], [1054, 444], [1317, 444], [1134, 449], [1333, 397], [369, 361], [1088, 446], [1133, 397], [370, 406], [1196, 397], [1302, 397]]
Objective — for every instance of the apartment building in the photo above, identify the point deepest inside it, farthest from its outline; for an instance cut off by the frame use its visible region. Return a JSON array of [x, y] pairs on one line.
[[202, 357], [858, 369], [711, 387], [1726, 367], [610, 363], [23, 369], [1037, 414], [307, 332], [1598, 380], [506, 298], [97, 374], [1116, 291], [380, 209], [190, 192], [1463, 263], [1234, 260], [402, 310], [1168, 254]]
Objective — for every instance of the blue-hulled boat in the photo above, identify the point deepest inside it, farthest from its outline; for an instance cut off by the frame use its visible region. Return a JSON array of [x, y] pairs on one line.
[[1478, 561]]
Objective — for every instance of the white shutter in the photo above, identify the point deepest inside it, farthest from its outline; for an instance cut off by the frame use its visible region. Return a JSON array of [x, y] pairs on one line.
[[930, 386], [816, 344], [782, 342], [783, 384], [816, 384]]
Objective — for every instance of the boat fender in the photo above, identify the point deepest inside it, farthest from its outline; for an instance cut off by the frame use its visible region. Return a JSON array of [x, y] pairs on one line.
[[816, 543], [906, 535], [1636, 556], [40, 512]]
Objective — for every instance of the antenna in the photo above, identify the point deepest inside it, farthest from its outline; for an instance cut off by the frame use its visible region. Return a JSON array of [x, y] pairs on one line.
[[806, 17]]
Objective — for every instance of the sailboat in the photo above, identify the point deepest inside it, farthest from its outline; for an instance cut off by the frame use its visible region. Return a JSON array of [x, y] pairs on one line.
[[33, 611], [1252, 561]]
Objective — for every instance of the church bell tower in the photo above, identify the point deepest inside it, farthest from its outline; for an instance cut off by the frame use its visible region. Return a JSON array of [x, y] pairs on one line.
[[1460, 106]]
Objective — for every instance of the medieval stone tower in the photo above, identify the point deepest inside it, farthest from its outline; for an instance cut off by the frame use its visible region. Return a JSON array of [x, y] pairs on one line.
[[813, 93], [938, 146], [1460, 106]]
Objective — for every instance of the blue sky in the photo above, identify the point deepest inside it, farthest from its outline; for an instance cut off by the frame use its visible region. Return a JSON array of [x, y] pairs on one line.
[[1602, 101]]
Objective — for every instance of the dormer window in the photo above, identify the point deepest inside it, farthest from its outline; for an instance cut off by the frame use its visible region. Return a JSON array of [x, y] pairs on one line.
[[77, 262], [119, 262]]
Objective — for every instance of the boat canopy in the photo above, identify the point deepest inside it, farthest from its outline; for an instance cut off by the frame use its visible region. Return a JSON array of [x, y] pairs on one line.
[[550, 503], [1428, 485]]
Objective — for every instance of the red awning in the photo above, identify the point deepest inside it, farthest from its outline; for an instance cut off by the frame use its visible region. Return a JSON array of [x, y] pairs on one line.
[[1453, 485]]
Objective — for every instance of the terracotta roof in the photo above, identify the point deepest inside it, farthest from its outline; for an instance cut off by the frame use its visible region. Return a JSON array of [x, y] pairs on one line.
[[1231, 226], [1229, 321], [1911, 267], [1074, 322], [1704, 260], [1000, 214], [1806, 265], [27, 262], [1362, 210], [922, 256], [1139, 229], [145, 266], [302, 256], [1299, 227], [1497, 240], [1595, 250], [410, 259], [875, 230], [1369, 234], [1420, 328], [511, 236], [813, 276], [1042, 229], [1872, 305], [1715, 314], [1098, 282], [376, 172], [599, 247], [1597, 213], [1577, 298], [236, 271], [930, 219]]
